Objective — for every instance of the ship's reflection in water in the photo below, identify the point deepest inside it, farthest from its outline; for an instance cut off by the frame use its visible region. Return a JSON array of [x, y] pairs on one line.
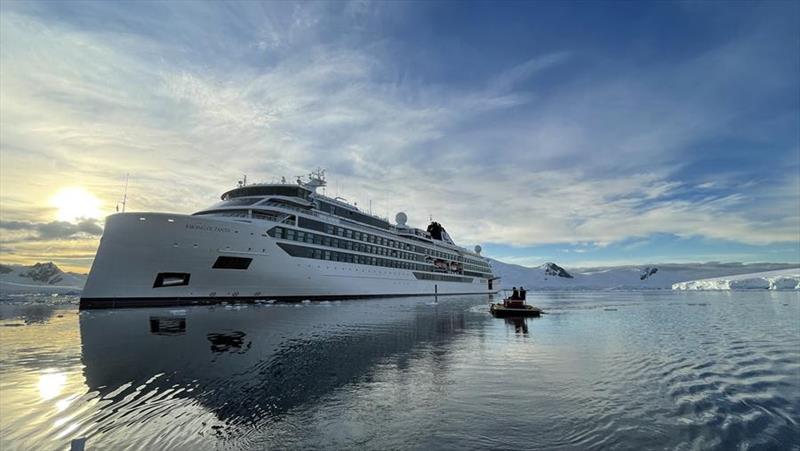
[[167, 325], [234, 372]]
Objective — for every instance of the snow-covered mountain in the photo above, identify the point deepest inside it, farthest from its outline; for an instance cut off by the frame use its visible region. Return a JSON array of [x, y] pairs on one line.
[[39, 278], [550, 276], [785, 279]]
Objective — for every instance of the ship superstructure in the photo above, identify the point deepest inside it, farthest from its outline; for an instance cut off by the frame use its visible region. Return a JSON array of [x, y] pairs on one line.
[[282, 241]]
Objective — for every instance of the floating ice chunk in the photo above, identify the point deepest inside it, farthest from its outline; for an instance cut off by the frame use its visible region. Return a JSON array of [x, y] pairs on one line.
[[754, 283], [784, 283]]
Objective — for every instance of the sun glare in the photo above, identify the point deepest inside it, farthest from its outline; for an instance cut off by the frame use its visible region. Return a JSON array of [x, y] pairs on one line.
[[75, 203], [51, 384]]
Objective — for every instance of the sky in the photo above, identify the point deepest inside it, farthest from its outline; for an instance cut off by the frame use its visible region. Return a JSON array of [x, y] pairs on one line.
[[584, 133]]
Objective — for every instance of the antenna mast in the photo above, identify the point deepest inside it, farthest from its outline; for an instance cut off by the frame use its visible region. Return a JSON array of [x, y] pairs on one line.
[[125, 193]]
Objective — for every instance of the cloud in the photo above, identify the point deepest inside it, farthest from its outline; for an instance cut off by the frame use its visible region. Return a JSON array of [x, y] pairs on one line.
[[188, 99], [507, 80], [55, 230]]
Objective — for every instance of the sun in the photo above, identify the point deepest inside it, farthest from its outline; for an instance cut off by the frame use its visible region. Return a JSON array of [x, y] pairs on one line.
[[75, 203]]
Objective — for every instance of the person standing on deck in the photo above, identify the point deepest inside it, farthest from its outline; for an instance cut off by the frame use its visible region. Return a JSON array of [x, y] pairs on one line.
[[515, 294]]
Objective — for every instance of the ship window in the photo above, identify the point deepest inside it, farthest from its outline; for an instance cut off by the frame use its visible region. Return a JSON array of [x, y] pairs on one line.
[[327, 255], [329, 229], [236, 202], [225, 262], [171, 279], [317, 254], [317, 239], [309, 238], [290, 191]]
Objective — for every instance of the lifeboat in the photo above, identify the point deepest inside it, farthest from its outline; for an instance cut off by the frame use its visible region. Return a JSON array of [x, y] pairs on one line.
[[514, 307]]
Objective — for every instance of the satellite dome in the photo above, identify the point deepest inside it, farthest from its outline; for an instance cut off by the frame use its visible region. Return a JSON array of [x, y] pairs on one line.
[[401, 218], [478, 249]]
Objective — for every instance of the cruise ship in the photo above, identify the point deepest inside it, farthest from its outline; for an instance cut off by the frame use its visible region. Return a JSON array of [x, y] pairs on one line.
[[276, 241]]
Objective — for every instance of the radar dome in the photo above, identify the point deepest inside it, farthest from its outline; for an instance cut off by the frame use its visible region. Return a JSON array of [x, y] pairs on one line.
[[401, 218], [478, 249]]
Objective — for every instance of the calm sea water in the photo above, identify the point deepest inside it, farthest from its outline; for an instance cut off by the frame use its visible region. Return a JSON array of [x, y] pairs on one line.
[[610, 370]]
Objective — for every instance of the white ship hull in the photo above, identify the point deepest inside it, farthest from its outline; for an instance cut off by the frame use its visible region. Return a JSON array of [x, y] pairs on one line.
[[148, 259]]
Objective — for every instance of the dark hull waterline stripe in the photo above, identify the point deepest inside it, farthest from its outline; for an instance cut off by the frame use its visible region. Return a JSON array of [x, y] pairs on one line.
[[104, 303]]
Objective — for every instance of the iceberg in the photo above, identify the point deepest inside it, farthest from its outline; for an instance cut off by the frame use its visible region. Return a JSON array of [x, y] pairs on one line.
[[785, 279]]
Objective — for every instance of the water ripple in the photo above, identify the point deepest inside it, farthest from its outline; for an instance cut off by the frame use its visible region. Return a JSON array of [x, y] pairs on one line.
[[602, 371]]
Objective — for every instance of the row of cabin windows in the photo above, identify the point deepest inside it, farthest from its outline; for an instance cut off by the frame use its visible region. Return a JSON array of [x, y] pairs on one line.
[[444, 277], [343, 232], [364, 260], [476, 267], [440, 254], [313, 238], [365, 237], [320, 254], [356, 235], [288, 191]]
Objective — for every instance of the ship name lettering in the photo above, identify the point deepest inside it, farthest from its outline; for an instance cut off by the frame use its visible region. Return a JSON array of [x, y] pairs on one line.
[[208, 228]]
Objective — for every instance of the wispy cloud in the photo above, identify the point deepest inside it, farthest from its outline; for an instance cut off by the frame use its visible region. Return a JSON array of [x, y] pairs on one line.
[[558, 145]]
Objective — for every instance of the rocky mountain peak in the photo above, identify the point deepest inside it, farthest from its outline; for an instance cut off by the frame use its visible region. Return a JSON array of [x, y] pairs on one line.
[[647, 272], [551, 269], [44, 272]]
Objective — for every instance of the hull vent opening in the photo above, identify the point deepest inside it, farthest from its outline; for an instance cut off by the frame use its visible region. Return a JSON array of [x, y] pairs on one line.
[[171, 279], [224, 262]]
